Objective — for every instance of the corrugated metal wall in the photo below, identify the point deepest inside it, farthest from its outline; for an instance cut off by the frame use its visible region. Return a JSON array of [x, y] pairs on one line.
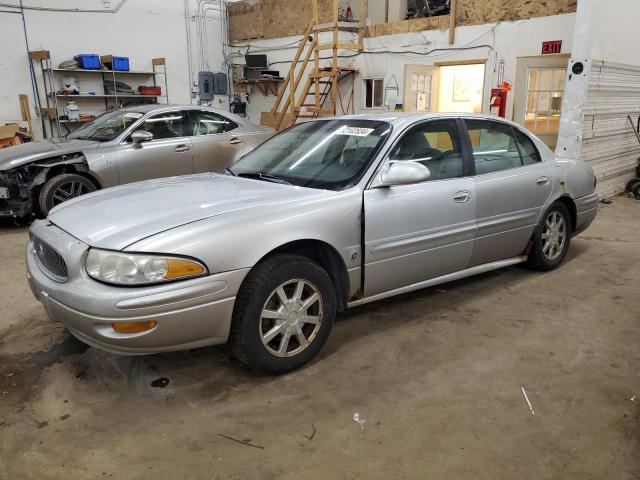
[[609, 143]]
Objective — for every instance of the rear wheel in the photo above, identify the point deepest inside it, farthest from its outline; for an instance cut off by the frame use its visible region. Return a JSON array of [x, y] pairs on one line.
[[283, 314], [551, 239], [61, 188]]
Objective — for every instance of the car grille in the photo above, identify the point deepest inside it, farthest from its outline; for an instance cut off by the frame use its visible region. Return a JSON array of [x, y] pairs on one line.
[[50, 261]]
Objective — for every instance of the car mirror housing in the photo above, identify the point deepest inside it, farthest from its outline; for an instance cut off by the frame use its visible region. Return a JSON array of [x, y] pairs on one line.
[[141, 136], [402, 173]]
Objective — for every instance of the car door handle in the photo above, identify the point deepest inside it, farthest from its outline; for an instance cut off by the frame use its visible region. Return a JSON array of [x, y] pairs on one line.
[[542, 181], [462, 197], [235, 141], [182, 148]]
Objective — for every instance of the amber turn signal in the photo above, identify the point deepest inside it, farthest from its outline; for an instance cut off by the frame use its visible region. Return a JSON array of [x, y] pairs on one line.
[[135, 327], [177, 268]]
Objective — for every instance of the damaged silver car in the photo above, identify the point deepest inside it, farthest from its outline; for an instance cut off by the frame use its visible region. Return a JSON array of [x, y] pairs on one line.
[[124, 146]]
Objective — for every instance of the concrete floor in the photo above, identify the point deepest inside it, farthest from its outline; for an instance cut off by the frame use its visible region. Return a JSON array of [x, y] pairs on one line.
[[436, 376]]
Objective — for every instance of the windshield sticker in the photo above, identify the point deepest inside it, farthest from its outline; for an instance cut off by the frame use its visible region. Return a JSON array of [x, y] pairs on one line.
[[132, 115], [355, 131]]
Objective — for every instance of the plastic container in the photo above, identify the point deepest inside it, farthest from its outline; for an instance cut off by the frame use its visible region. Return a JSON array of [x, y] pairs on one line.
[[72, 111], [119, 64], [88, 61], [144, 90]]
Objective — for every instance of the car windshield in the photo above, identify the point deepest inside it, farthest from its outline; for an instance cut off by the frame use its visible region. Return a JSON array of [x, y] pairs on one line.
[[106, 127], [328, 154]]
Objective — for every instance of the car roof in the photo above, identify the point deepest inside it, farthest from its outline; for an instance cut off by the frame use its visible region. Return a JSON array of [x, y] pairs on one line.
[[170, 106], [397, 118]]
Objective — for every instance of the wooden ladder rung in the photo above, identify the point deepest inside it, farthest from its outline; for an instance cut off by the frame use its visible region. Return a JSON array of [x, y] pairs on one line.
[[328, 111]]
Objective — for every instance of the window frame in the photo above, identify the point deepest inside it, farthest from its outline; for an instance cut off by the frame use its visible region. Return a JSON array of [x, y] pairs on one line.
[[513, 128], [468, 168], [193, 115], [373, 93]]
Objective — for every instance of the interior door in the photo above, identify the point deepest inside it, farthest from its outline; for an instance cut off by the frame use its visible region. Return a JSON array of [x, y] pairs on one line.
[[168, 154], [512, 186], [215, 140], [425, 230], [539, 89], [420, 88]]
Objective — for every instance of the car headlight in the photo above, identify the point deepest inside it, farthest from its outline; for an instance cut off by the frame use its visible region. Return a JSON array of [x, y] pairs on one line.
[[139, 269]]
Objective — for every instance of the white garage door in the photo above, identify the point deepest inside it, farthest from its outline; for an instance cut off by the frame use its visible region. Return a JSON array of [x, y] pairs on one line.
[[609, 142]]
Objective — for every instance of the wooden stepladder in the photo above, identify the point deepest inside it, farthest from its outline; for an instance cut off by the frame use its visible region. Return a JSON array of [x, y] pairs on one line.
[[319, 94]]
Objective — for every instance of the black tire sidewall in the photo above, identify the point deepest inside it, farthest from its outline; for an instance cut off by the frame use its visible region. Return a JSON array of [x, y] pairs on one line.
[[539, 260], [51, 185], [258, 356]]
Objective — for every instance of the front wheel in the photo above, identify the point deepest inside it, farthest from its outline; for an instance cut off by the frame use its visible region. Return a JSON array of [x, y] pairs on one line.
[[283, 315], [60, 188], [551, 239]]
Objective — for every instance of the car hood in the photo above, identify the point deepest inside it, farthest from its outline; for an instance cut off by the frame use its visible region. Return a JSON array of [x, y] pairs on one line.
[[34, 151], [117, 217]]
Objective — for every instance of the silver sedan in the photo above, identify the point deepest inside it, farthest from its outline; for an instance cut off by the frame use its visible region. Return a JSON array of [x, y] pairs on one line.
[[324, 216], [129, 145]]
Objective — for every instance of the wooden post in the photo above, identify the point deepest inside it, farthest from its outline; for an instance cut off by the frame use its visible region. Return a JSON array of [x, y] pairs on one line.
[[363, 23], [334, 69], [452, 21], [316, 56], [24, 109]]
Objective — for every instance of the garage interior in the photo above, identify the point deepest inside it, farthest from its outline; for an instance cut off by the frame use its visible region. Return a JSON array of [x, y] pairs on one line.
[[506, 374]]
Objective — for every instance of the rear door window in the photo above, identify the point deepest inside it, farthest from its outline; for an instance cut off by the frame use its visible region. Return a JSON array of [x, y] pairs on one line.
[[494, 146]]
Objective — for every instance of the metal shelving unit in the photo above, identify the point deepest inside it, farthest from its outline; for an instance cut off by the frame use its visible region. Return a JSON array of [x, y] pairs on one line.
[[51, 76]]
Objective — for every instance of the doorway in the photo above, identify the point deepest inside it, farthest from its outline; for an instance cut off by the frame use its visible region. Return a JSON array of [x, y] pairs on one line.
[[444, 88], [540, 83], [420, 88], [461, 88]]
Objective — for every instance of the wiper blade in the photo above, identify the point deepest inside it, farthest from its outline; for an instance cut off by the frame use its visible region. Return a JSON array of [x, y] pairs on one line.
[[265, 177]]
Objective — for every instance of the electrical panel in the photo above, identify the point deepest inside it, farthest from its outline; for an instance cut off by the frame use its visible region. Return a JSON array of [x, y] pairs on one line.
[[205, 83], [211, 84]]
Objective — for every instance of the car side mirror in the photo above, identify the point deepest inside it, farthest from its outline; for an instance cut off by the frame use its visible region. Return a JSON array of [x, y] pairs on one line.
[[402, 173], [141, 136]]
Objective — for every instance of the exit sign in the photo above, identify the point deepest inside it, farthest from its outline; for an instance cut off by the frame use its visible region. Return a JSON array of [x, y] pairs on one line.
[[552, 47]]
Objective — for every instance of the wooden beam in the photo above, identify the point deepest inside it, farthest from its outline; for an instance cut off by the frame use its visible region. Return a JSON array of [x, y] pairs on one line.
[[452, 21], [24, 109], [363, 23]]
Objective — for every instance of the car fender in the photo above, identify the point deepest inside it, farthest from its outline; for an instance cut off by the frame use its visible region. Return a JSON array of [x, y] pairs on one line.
[[240, 239]]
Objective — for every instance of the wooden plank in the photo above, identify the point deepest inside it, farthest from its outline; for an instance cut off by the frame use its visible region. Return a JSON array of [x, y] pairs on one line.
[[452, 21], [25, 111], [39, 55], [245, 21]]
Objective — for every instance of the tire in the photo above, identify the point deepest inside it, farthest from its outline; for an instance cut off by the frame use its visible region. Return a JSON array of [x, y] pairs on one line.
[[260, 313], [631, 184], [61, 188], [636, 190], [543, 257]]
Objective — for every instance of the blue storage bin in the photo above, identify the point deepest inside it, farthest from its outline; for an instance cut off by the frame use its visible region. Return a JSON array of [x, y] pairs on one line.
[[88, 61], [120, 64]]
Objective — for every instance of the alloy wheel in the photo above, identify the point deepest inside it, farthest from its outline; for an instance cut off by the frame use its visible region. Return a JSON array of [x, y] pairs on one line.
[[291, 317], [554, 236], [69, 190]]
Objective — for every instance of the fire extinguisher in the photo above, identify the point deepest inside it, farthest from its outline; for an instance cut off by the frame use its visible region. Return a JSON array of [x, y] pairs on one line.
[[499, 99], [349, 13]]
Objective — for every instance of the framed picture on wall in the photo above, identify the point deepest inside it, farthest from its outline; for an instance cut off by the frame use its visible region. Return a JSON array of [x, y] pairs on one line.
[[461, 88]]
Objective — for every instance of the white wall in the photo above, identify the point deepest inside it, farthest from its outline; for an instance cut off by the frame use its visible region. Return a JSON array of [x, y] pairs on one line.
[[502, 41], [594, 124], [141, 30]]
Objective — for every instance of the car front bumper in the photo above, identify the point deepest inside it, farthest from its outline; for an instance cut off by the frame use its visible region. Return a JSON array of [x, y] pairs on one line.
[[189, 314]]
